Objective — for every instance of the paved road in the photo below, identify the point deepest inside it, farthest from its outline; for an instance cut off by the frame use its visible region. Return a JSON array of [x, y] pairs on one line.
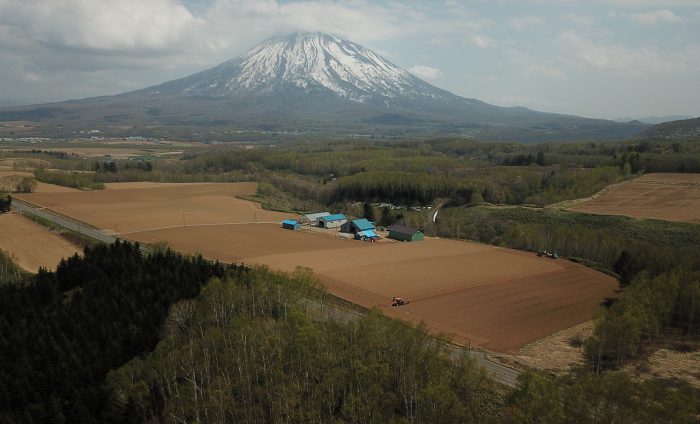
[[501, 373], [28, 209]]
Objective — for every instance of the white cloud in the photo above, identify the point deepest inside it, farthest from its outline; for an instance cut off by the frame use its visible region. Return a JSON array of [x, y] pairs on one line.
[[425, 72], [656, 17], [525, 23], [634, 61], [100, 26], [532, 66], [481, 41]]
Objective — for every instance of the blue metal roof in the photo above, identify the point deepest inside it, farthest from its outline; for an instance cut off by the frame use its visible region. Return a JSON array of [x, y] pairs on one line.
[[336, 217], [290, 222], [363, 224], [368, 233]]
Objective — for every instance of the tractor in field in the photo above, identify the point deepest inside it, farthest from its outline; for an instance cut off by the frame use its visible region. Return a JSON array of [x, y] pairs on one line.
[[398, 301]]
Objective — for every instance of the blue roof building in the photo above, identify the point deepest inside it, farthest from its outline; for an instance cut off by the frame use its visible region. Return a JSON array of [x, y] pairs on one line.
[[290, 224], [367, 234], [357, 225]]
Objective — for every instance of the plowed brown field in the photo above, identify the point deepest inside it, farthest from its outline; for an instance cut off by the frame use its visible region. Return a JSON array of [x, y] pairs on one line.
[[497, 298], [128, 207], [672, 197], [31, 245]]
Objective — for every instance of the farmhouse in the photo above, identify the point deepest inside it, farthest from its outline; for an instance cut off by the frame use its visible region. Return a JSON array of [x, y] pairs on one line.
[[312, 218], [290, 224], [403, 233], [357, 225], [332, 221]]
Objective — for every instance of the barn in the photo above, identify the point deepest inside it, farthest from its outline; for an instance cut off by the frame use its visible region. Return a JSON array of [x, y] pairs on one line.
[[290, 224], [357, 225], [403, 233], [332, 221], [312, 218]]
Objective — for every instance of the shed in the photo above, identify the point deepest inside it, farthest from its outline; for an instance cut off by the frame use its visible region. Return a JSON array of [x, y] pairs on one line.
[[290, 224], [357, 225], [367, 234], [312, 218], [332, 221], [403, 233]]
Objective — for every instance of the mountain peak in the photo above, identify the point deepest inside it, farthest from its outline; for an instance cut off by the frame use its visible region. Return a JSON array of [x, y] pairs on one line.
[[311, 62]]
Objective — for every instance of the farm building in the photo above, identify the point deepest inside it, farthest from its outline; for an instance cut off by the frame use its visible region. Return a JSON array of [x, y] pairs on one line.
[[357, 225], [290, 224], [403, 233], [332, 221], [366, 235], [312, 218]]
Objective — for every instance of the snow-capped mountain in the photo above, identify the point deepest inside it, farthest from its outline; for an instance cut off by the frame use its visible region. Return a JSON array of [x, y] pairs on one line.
[[309, 62], [311, 82]]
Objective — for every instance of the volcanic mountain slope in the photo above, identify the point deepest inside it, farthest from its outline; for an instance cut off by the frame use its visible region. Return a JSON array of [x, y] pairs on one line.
[[320, 83]]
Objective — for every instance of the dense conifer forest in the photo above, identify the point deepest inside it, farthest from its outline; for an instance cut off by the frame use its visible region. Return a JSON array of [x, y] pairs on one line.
[[63, 331]]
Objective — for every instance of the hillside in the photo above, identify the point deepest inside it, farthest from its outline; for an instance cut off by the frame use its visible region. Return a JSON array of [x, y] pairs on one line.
[[682, 129]]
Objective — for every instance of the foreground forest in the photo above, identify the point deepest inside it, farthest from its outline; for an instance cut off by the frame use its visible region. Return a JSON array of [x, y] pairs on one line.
[[167, 338]]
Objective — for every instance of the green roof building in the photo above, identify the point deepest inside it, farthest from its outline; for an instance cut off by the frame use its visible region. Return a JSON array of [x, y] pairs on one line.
[[403, 233]]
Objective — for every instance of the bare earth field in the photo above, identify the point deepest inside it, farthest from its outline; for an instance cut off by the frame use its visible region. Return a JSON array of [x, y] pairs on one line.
[[672, 197], [31, 245], [128, 207], [497, 298]]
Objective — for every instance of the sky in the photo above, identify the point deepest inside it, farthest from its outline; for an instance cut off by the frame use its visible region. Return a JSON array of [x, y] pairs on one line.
[[594, 58]]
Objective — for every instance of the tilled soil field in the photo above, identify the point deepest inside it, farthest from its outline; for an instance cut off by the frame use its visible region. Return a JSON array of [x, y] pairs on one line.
[[128, 207], [31, 245], [671, 197], [496, 298]]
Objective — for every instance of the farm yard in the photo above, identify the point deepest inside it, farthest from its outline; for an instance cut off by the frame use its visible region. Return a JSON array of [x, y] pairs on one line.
[[31, 245], [494, 297], [672, 197]]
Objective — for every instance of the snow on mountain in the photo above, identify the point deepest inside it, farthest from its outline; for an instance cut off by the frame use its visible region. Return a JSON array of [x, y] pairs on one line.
[[310, 62]]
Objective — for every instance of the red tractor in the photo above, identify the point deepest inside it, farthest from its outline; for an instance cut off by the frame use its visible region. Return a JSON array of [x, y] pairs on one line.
[[397, 301]]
